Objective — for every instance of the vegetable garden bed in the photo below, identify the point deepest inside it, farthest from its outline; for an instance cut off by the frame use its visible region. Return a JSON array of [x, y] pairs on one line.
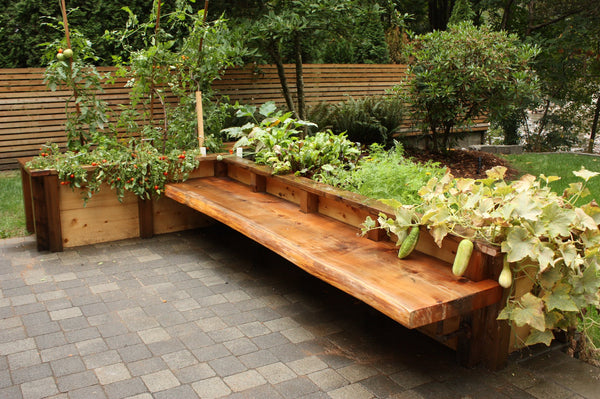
[[317, 227], [60, 219]]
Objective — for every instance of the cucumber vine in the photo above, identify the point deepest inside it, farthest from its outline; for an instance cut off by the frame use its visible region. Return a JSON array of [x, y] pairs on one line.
[[544, 237]]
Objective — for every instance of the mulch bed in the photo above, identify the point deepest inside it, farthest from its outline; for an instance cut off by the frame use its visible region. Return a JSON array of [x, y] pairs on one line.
[[463, 163]]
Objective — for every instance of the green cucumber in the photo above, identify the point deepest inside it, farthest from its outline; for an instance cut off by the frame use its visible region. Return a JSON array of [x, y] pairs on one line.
[[463, 255], [505, 278], [409, 243]]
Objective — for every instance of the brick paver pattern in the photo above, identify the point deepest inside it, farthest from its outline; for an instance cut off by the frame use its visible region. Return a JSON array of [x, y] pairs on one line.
[[208, 314]]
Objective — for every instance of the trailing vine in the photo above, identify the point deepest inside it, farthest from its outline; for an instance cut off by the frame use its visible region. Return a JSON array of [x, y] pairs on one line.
[[545, 239]]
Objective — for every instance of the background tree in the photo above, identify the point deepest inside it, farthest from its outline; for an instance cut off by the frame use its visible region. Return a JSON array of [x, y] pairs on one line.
[[461, 74]]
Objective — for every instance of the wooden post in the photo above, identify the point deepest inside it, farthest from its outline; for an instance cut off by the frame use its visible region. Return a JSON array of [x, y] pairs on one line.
[[199, 115], [27, 201], [146, 218]]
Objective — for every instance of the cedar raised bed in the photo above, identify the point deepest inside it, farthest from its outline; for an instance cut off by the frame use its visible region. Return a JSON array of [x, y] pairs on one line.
[[60, 219], [311, 224], [316, 226]]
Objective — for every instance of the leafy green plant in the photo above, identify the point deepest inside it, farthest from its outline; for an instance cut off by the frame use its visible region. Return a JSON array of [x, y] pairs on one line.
[[275, 141], [546, 239], [383, 174], [466, 72], [367, 120], [168, 67], [86, 114]]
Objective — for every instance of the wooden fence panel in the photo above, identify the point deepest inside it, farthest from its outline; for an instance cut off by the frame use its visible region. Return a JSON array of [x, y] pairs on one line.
[[31, 115], [256, 84]]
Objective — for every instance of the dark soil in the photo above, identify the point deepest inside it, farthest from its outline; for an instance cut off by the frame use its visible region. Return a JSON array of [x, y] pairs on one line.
[[462, 163]]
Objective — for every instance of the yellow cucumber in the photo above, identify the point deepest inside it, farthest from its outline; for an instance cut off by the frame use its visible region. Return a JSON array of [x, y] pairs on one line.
[[505, 279], [463, 255], [409, 243]]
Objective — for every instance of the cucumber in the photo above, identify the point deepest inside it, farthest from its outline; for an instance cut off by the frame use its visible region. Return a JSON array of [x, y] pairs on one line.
[[505, 279], [463, 255], [409, 243]]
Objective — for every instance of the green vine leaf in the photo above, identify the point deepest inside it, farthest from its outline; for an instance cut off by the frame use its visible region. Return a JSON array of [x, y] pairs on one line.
[[526, 207], [530, 312], [593, 210], [585, 174], [557, 220], [545, 256], [519, 244], [560, 299], [540, 337]]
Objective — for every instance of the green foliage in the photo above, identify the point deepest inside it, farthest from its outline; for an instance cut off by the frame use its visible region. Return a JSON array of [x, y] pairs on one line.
[[88, 115], [590, 327], [363, 43], [134, 166], [12, 217], [365, 120], [461, 12], [166, 67], [544, 237], [275, 141], [458, 75], [384, 175]]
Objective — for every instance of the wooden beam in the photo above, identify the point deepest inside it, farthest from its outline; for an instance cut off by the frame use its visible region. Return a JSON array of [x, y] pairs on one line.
[[146, 215]]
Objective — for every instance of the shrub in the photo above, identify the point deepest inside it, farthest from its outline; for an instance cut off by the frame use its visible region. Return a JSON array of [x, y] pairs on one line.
[[366, 120]]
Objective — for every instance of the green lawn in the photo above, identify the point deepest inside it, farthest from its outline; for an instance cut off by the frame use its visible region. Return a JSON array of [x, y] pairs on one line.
[[561, 165], [12, 214]]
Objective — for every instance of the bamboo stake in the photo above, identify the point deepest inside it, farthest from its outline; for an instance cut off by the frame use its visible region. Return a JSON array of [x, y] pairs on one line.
[[156, 29], [200, 117], [63, 9]]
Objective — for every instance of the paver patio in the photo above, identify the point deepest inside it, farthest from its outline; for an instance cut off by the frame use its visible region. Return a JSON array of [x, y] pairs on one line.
[[210, 314]]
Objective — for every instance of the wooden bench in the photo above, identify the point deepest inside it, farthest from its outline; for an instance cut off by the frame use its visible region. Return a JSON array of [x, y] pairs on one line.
[[315, 226]]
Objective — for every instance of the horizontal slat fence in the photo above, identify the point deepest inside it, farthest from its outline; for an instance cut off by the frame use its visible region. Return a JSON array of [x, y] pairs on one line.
[[31, 115], [322, 82]]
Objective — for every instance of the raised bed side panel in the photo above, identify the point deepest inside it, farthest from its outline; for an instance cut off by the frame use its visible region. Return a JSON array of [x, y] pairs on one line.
[[103, 219]]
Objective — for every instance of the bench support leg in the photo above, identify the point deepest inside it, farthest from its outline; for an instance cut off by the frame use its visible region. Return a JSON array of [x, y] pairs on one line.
[[486, 341]]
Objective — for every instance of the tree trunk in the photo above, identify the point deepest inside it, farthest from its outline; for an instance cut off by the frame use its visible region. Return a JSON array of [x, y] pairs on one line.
[[276, 56], [594, 126], [439, 13], [506, 14], [299, 76], [540, 129]]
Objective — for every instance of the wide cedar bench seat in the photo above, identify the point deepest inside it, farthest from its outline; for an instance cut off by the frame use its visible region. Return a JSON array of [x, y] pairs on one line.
[[315, 226]]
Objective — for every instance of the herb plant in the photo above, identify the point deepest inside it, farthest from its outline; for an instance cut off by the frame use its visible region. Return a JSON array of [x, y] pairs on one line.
[[383, 174]]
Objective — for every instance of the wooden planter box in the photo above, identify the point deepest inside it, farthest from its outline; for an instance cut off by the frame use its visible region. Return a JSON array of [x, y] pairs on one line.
[[59, 219]]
